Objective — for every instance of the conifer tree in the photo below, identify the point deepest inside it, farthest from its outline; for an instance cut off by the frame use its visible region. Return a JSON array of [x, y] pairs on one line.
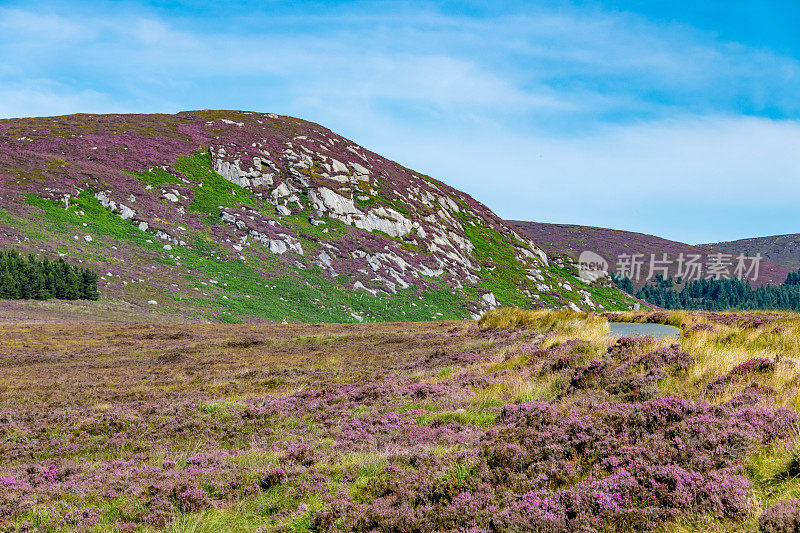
[[22, 278]]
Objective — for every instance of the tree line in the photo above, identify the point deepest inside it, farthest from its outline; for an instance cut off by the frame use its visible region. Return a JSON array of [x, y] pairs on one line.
[[31, 279], [716, 294]]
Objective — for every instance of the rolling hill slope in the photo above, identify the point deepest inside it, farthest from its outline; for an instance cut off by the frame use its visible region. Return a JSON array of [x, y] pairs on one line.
[[238, 215], [779, 249], [571, 240]]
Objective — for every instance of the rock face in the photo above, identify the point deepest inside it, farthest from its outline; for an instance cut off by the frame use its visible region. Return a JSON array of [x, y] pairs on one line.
[[263, 186]]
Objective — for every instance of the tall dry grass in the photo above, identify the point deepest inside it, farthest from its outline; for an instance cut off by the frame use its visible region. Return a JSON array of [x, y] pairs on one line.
[[679, 318], [716, 352], [720, 351], [558, 325]]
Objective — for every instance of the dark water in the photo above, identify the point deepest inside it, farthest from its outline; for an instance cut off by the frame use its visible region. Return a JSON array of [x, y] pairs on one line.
[[629, 329]]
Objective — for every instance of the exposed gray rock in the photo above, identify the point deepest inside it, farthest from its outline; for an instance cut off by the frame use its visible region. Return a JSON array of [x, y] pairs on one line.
[[280, 191], [126, 212], [233, 172], [490, 300], [338, 167], [105, 201], [277, 246], [360, 170]]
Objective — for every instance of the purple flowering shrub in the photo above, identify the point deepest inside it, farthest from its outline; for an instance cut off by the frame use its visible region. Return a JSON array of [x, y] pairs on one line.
[[783, 517], [628, 369], [393, 427], [742, 320], [757, 365], [701, 326], [659, 317], [560, 356], [749, 369], [551, 468], [591, 466]]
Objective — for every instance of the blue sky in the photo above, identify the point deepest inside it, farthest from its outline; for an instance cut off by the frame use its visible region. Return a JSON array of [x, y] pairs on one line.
[[680, 119]]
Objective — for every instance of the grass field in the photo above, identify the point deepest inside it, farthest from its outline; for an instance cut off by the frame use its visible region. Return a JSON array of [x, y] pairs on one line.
[[523, 421]]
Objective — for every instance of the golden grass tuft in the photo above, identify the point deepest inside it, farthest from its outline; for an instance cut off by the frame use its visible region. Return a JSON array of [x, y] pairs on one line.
[[718, 352], [563, 321], [678, 318]]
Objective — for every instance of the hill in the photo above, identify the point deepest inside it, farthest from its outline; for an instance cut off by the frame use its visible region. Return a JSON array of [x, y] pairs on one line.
[[779, 249], [572, 240], [236, 216]]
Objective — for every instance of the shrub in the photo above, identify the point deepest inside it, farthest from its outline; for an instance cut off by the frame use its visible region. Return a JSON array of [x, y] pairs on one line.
[[783, 517]]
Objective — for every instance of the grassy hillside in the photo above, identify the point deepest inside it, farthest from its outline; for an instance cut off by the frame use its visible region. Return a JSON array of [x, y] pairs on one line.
[[239, 216], [779, 249]]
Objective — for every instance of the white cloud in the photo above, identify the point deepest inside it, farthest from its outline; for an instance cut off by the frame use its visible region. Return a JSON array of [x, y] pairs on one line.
[[697, 179], [49, 28], [41, 97], [567, 62]]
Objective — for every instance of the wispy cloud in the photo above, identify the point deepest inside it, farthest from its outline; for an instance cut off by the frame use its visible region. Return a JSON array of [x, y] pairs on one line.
[[691, 178], [43, 97], [561, 62]]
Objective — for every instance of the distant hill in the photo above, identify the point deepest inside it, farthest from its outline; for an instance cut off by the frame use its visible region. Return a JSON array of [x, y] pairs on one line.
[[779, 249], [237, 216], [571, 240]]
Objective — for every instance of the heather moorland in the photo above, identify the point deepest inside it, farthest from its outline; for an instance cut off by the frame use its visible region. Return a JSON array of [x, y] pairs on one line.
[[522, 421]]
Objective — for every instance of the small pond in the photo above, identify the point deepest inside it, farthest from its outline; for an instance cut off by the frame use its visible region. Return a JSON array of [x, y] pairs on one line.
[[629, 329]]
